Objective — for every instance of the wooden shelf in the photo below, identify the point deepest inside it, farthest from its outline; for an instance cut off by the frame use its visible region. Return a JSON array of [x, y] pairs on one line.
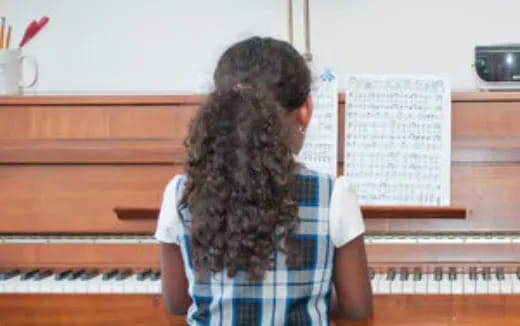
[[437, 212], [408, 212]]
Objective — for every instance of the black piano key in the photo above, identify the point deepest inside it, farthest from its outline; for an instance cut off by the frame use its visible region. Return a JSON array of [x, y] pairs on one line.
[[87, 275], [473, 273], [518, 273], [155, 276], [28, 275], [62, 275], [486, 274], [390, 274], [108, 275], [123, 274], [437, 274], [43, 274], [404, 274], [74, 275], [500, 274], [417, 274], [141, 276], [452, 274], [9, 274]]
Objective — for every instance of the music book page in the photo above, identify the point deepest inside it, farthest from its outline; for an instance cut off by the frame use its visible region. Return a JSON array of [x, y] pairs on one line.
[[320, 150], [398, 139]]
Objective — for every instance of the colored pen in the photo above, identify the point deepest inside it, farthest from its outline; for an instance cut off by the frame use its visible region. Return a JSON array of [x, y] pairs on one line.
[[2, 30], [8, 37]]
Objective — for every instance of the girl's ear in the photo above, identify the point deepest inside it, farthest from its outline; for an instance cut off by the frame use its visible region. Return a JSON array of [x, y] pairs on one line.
[[305, 112]]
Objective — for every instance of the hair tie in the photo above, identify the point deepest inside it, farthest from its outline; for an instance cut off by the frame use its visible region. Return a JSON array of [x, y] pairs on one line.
[[240, 86]]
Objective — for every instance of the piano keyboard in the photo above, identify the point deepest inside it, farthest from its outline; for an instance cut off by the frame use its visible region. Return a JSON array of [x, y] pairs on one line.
[[370, 238], [472, 280], [80, 281]]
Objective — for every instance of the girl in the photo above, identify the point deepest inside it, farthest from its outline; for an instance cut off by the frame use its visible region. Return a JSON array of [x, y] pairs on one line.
[[249, 236]]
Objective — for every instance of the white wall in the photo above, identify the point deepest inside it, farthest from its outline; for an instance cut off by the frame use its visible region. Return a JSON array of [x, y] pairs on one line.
[[159, 45]]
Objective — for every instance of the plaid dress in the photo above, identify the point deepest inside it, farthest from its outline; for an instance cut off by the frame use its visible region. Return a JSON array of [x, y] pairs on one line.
[[286, 296]]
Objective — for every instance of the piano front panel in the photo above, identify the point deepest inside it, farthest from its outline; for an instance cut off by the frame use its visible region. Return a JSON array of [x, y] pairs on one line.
[[65, 163], [79, 198], [90, 120], [56, 159]]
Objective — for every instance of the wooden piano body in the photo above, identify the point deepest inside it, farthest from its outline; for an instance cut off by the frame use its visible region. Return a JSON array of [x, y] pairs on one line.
[[67, 162]]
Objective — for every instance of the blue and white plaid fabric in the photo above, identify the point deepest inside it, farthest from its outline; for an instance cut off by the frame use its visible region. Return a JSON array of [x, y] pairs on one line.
[[286, 296]]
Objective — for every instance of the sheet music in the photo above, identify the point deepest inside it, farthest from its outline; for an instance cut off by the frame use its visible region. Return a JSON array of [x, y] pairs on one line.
[[398, 139], [320, 150]]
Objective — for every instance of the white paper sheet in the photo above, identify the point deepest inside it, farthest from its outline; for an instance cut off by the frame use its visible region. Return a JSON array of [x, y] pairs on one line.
[[320, 150], [398, 139]]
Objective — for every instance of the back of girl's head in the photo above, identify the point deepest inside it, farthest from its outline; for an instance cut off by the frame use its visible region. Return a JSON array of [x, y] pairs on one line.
[[240, 185], [269, 63]]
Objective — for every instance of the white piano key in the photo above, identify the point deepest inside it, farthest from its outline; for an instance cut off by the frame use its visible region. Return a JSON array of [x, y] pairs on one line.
[[94, 284], [506, 285], [132, 285], [374, 282], [154, 287], [10, 285], [494, 285], [69, 286], [396, 287], [106, 286], [21, 286], [501, 239], [70, 240], [457, 286], [24, 240], [81, 286], [408, 286], [396, 240], [421, 286], [149, 241], [50, 285], [33, 286], [445, 285], [433, 286], [515, 283], [116, 286], [482, 286], [470, 286], [487, 239], [439, 239], [384, 286]]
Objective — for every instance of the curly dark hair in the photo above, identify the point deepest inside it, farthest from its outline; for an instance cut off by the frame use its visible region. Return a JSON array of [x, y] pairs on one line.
[[240, 170]]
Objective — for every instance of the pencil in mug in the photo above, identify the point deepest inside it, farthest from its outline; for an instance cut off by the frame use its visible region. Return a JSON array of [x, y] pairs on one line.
[[2, 28], [8, 37]]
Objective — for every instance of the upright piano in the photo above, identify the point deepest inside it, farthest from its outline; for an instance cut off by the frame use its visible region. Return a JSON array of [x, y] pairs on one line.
[[80, 178]]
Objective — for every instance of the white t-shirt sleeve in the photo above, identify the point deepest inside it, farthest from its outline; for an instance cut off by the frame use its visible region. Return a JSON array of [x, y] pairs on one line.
[[346, 221], [169, 224]]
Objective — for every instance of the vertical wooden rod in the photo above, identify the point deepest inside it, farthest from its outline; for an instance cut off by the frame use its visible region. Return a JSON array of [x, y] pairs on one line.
[[290, 26], [307, 28]]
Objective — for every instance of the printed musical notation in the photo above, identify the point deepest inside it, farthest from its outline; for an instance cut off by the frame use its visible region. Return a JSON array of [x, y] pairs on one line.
[[320, 150], [398, 139]]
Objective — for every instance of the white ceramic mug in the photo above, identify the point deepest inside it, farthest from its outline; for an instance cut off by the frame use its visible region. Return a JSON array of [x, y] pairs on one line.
[[11, 71]]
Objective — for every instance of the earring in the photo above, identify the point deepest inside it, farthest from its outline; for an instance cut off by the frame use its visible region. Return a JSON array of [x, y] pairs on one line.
[[302, 130]]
